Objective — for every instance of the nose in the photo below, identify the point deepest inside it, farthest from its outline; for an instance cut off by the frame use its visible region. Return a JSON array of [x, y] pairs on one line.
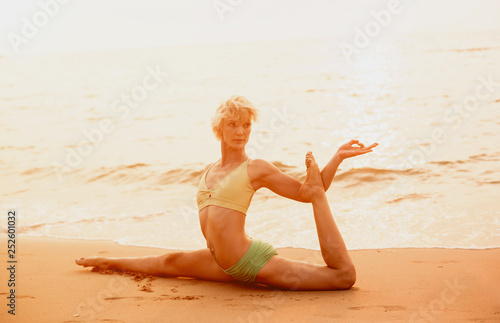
[[239, 130]]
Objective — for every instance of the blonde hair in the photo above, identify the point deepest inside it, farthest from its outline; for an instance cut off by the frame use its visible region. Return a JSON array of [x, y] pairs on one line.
[[232, 108]]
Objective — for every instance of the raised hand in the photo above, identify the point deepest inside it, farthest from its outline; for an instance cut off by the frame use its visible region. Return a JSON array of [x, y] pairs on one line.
[[347, 150]]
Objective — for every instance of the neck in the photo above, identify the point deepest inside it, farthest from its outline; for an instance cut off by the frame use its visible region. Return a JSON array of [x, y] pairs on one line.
[[231, 155]]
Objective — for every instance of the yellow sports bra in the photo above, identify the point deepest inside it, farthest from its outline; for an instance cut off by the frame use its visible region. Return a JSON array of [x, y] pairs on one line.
[[234, 191]]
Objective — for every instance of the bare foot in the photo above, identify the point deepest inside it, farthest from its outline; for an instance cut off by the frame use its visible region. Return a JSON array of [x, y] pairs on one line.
[[313, 185], [99, 262]]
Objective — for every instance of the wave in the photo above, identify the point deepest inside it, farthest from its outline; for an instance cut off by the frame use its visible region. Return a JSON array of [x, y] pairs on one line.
[[477, 49], [137, 172], [156, 175], [98, 219], [159, 175], [16, 148], [413, 196], [471, 159], [368, 174], [490, 182], [461, 50]]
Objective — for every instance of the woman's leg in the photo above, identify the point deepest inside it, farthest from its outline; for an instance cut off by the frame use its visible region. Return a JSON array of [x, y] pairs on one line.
[[196, 264], [339, 272], [278, 271]]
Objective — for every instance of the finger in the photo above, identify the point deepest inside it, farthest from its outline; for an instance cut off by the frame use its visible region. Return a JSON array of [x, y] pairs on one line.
[[364, 152]]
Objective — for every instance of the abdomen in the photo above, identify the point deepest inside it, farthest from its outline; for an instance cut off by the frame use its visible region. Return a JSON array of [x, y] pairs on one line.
[[225, 230]]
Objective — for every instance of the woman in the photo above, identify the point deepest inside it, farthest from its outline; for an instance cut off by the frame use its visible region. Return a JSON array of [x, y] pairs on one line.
[[224, 194]]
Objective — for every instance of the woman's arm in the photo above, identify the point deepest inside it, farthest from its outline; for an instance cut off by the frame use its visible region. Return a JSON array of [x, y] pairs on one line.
[[345, 151], [271, 177], [328, 173]]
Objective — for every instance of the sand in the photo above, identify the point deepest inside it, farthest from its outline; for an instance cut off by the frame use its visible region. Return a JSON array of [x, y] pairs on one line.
[[415, 285]]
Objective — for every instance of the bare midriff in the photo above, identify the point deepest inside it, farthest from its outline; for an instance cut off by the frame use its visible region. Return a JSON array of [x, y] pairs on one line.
[[224, 230]]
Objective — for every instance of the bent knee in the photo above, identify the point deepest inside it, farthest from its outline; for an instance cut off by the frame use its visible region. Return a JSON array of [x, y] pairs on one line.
[[343, 278], [348, 277]]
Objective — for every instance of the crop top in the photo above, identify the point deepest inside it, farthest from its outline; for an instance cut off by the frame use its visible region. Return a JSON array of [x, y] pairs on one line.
[[234, 191]]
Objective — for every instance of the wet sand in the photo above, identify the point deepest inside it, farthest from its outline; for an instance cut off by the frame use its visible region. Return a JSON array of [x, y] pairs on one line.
[[416, 285]]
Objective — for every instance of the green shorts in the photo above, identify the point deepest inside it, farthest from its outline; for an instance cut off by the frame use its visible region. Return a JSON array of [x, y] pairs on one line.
[[247, 268]]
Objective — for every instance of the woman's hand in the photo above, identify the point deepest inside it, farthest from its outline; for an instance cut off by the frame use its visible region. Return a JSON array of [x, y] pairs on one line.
[[348, 150]]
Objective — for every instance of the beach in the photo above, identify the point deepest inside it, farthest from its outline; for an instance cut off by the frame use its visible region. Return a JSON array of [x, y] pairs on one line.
[[102, 152], [403, 285]]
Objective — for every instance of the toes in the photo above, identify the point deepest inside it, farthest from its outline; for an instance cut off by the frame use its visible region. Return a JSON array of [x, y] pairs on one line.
[[309, 158], [309, 161]]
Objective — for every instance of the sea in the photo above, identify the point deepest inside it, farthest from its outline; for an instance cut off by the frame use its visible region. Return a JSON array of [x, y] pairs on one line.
[[111, 145]]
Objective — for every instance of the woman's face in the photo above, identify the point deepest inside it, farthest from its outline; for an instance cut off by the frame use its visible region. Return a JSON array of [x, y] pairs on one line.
[[236, 131]]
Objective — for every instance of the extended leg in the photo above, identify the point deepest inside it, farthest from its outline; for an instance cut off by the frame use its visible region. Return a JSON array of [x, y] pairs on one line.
[[195, 264]]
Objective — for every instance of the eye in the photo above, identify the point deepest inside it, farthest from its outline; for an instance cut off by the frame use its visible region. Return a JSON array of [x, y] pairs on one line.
[[247, 125], [231, 124]]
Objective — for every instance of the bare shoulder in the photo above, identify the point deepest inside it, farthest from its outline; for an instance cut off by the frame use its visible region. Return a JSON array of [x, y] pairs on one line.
[[260, 165], [260, 168]]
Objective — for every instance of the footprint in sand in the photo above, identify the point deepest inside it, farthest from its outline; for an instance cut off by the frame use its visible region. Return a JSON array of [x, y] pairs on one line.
[[189, 298], [387, 308], [146, 288]]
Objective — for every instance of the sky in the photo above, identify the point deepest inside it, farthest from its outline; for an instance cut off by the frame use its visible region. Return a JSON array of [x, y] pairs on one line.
[[30, 27]]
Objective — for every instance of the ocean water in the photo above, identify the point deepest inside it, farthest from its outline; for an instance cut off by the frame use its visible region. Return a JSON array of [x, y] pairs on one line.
[[111, 145]]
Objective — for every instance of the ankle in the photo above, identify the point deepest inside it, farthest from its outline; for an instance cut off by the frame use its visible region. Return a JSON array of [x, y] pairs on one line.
[[318, 195]]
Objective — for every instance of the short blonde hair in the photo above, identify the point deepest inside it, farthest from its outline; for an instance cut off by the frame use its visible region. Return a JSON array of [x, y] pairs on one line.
[[232, 108]]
